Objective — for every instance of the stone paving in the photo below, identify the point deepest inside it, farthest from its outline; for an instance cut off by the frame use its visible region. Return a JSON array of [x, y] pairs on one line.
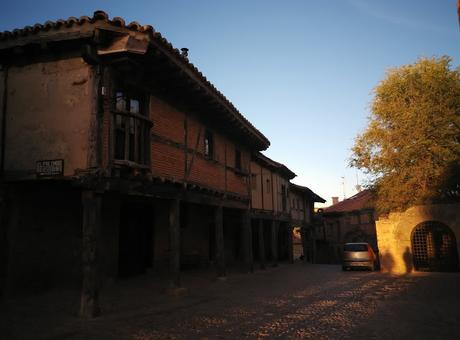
[[289, 301]]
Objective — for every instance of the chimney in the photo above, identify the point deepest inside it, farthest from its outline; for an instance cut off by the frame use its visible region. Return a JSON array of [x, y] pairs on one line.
[[335, 200], [184, 52]]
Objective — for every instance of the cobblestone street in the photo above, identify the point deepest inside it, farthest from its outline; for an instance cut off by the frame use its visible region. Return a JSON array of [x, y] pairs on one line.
[[290, 301]]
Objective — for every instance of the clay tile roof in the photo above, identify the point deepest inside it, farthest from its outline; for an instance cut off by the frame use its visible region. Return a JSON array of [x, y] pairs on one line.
[[270, 163], [155, 36], [307, 191], [362, 200]]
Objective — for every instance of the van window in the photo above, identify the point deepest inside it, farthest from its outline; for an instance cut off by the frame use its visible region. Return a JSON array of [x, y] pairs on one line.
[[355, 247]]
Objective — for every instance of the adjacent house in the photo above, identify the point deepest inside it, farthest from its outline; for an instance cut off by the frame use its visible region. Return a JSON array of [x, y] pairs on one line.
[[302, 216], [350, 220], [119, 157], [277, 208], [421, 238]]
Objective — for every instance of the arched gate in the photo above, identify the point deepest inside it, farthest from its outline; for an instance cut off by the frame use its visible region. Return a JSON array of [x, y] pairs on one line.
[[434, 247]]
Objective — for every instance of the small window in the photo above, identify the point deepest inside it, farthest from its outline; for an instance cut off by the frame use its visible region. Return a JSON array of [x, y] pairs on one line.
[[268, 186], [283, 197], [354, 219], [237, 159], [254, 181], [365, 218], [208, 145]]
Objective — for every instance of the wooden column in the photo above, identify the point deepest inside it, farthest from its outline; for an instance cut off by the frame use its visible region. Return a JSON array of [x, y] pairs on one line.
[[304, 240], [12, 212], [3, 243], [247, 241], [89, 303], [274, 243], [290, 243], [261, 244], [174, 243], [220, 246], [153, 238], [313, 244]]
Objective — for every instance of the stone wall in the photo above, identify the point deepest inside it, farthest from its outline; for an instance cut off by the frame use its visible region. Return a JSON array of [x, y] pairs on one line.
[[394, 233]]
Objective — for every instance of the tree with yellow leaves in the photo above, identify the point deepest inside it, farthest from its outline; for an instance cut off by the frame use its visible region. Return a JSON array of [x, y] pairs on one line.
[[411, 147]]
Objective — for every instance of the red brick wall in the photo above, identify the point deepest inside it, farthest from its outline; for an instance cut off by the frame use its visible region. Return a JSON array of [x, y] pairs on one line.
[[170, 126], [167, 161], [237, 183], [168, 122]]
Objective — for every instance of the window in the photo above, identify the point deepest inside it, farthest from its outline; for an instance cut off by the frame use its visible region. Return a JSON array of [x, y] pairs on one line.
[[131, 128], [208, 145], [237, 159], [268, 186], [354, 219], [254, 181], [283, 197], [365, 218]]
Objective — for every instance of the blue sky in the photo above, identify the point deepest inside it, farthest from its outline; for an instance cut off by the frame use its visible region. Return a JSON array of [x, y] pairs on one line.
[[301, 71]]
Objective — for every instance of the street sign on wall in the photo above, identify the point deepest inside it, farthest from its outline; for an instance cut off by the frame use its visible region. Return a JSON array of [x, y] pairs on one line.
[[47, 168]]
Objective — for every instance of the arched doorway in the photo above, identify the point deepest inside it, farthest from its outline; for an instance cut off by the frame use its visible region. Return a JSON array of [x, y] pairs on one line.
[[434, 247], [356, 236]]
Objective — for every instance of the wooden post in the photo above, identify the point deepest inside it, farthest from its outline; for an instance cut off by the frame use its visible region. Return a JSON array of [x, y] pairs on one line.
[[89, 303], [12, 212], [220, 246], [303, 239], [153, 238], [290, 243], [3, 243], [261, 244], [247, 241], [274, 243], [174, 243], [313, 244]]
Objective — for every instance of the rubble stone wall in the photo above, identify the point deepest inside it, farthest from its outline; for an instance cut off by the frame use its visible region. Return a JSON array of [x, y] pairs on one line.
[[394, 233]]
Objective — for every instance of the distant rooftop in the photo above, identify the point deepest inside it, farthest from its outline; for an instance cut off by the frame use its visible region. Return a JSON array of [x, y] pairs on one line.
[[307, 191], [362, 200]]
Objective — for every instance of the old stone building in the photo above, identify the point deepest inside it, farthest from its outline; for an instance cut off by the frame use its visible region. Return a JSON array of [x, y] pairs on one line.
[[119, 157], [350, 220], [422, 238]]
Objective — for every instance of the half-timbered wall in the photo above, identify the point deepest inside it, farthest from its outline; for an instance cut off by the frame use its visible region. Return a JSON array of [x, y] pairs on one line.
[[256, 186], [298, 207], [178, 151]]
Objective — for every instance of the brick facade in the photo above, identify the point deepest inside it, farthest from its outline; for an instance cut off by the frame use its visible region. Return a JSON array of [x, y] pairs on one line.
[[178, 135]]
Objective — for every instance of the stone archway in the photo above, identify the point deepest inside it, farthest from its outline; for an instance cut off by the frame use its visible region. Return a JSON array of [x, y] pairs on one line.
[[434, 247], [356, 235]]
